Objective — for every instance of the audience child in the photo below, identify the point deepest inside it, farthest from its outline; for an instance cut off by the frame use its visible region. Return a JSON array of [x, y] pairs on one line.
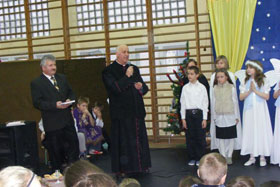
[[241, 181], [97, 116], [194, 108], [257, 132], [188, 181], [84, 174], [221, 63], [86, 125], [18, 176], [275, 155], [225, 115], [129, 182], [212, 170]]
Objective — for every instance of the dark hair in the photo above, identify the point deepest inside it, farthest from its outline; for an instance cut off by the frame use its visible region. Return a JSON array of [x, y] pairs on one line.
[[191, 60], [224, 59], [99, 105], [241, 181], [83, 100], [223, 70], [195, 69], [188, 181], [270, 184], [259, 75], [84, 174]]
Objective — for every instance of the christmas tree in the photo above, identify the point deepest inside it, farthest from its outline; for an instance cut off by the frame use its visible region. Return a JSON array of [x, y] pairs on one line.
[[173, 117]]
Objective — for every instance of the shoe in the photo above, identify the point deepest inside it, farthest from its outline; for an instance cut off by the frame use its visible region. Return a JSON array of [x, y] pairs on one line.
[[197, 163], [229, 160], [262, 162], [97, 152], [250, 162], [191, 163]]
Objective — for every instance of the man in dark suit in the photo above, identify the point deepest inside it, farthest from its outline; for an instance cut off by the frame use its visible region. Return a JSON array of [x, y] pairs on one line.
[[48, 92]]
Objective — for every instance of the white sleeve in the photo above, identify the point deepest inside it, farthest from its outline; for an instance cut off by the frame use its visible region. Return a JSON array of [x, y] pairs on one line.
[[213, 103], [205, 102], [75, 124], [41, 127], [99, 123], [212, 79], [183, 104]]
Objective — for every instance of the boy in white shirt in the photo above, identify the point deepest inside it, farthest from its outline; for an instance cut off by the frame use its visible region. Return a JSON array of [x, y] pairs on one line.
[[194, 109]]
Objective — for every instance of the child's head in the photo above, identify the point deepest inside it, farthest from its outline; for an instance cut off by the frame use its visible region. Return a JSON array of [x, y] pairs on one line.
[[97, 107], [193, 73], [222, 62], [129, 182], [189, 181], [222, 76], [191, 62], [243, 181], [83, 103], [254, 69], [84, 173], [212, 169]]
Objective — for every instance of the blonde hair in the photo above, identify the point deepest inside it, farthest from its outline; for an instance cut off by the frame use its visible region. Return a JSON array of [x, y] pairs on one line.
[[224, 59], [15, 176], [129, 182], [82, 100], [241, 181], [212, 168]]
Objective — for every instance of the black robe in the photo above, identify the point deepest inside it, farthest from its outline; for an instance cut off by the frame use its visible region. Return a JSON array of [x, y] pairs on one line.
[[129, 142]]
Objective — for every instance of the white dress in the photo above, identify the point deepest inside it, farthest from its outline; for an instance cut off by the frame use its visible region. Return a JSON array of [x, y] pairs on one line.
[[214, 142], [257, 131], [275, 153], [226, 120]]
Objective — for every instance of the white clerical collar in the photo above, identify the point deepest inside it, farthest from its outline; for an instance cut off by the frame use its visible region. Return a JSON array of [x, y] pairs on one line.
[[121, 64]]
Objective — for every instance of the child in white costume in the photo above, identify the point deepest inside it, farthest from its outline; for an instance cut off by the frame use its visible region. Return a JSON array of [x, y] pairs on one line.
[[221, 63], [257, 131], [225, 114], [275, 154]]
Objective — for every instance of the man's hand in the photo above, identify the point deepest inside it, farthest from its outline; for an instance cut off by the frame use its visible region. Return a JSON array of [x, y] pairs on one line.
[[184, 124], [129, 71], [138, 85], [60, 106], [204, 124]]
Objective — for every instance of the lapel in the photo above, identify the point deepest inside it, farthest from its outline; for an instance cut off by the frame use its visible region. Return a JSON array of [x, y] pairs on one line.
[[48, 82]]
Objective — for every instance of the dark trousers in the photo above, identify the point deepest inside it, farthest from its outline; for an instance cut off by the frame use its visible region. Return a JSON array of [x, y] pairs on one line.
[[195, 134], [63, 146]]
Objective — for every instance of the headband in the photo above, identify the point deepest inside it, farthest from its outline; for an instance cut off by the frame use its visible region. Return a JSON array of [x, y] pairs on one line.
[[254, 64]]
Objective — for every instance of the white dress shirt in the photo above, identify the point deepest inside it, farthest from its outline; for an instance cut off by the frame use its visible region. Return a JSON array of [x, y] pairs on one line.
[[98, 122], [194, 96], [49, 77]]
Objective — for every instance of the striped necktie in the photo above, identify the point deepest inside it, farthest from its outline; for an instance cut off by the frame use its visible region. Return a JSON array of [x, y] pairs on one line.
[[55, 83]]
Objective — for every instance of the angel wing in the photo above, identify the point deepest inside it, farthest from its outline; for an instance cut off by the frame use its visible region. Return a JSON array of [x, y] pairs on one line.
[[240, 74], [273, 75]]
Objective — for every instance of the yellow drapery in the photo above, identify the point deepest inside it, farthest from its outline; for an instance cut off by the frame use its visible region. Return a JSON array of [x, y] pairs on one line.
[[231, 24]]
